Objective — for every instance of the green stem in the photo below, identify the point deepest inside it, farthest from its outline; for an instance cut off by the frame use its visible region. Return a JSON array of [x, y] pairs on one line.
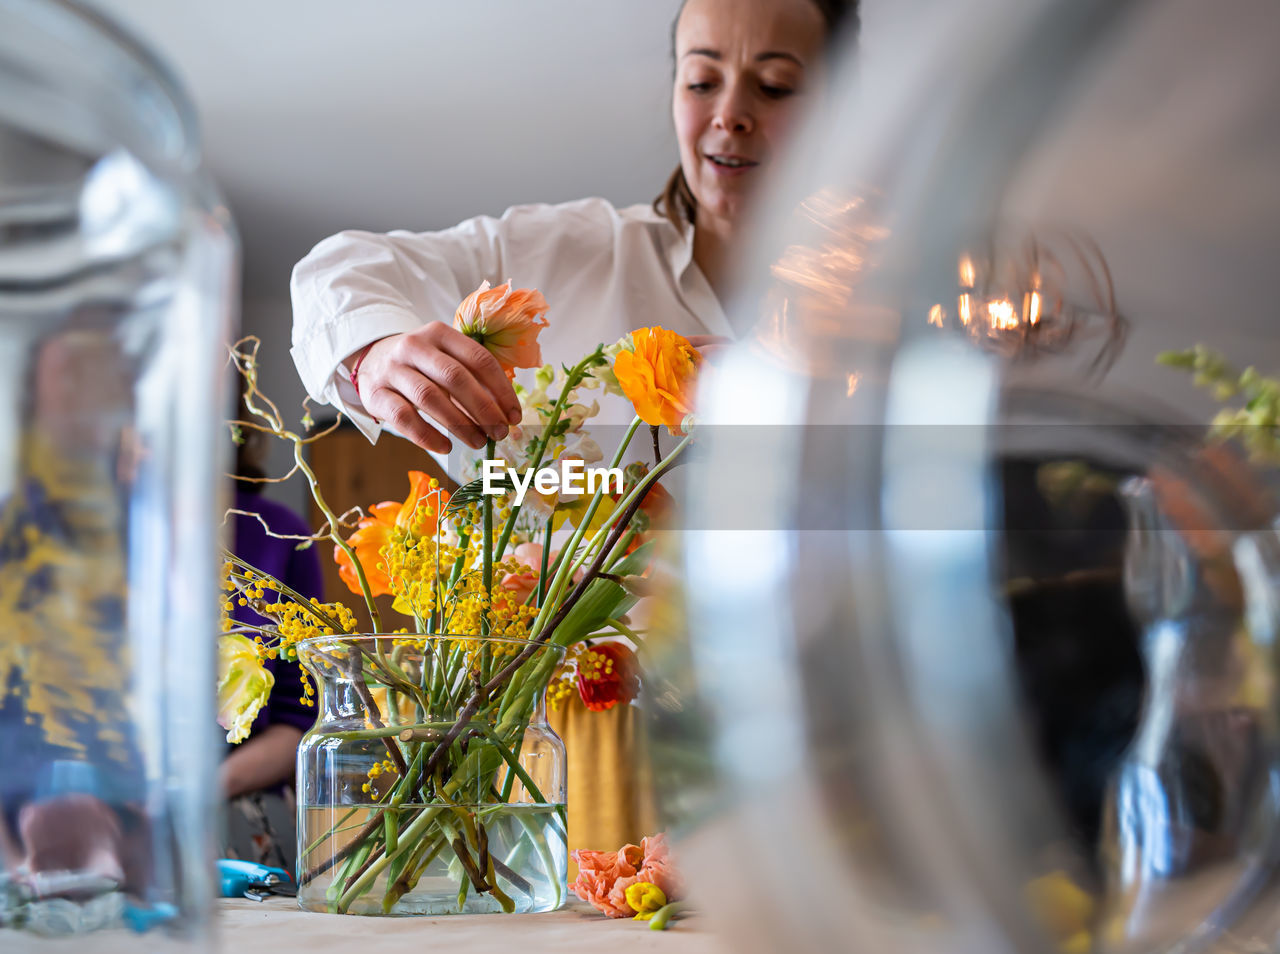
[[486, 569], [573, 377], [329, 834], [620, 550], [550, 575], [486, 573], [520, 772], [664, 914], [636, 491], [455, 574], [409, 837], [385, 731], [558, 584], [546, 556], [390, 830], [625, 631], [544, 853], [401, 874]]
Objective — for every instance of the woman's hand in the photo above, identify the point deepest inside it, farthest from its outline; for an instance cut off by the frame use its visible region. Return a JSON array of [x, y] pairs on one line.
[[265, 759], [710, 347], [72, 833], [440, 372]]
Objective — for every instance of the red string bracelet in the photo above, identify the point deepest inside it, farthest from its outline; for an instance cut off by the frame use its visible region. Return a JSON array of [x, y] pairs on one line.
[[355, 368]]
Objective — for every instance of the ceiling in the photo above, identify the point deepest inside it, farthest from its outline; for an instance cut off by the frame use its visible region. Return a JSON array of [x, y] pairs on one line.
[[325, 114]]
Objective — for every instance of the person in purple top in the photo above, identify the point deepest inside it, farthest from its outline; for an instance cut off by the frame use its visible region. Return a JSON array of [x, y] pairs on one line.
[[266, 758], [257, 774]]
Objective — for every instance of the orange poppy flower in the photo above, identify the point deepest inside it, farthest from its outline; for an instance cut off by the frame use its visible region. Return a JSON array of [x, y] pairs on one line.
[[507, 322], [605, 876], [374, 532]]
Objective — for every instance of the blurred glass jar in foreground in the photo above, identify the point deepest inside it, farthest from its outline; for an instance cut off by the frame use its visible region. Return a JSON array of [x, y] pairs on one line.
[[116, 271], [983, 627]]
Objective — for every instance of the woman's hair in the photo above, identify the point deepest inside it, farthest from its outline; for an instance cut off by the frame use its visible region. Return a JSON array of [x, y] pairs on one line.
[[676, 200]]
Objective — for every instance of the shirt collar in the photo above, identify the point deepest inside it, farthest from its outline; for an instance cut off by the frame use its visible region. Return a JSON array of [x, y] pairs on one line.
[[680, 249], [693, 286]]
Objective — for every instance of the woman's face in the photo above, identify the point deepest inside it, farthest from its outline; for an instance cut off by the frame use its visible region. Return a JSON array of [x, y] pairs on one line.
[[742, 66]]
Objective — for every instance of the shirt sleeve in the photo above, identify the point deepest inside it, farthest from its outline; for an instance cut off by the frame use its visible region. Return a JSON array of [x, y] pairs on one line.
[[356, 287]]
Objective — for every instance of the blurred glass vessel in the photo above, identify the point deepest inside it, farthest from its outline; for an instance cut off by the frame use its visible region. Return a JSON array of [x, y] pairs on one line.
[[985, 641], [116, 292]]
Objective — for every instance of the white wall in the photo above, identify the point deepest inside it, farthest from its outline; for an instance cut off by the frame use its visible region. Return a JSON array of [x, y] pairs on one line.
[[325, 114], [320, 115]]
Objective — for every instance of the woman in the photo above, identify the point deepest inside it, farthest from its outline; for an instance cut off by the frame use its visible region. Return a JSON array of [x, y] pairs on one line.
[[371, 312], [379, 305]]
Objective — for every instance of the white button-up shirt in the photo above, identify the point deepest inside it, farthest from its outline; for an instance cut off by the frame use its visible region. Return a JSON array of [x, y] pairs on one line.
[[603, 271]]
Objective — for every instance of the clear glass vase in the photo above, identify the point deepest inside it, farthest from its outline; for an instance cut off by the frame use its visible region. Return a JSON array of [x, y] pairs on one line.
[[421, 793], [994, 716], [116, 299]]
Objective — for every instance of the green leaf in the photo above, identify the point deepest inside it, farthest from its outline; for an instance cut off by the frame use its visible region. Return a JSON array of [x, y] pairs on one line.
[[472, 492], [602, 601], [635, 562], [1177, 359]]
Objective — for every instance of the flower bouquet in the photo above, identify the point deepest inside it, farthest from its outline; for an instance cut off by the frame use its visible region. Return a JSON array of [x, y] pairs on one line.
[[430, 782]]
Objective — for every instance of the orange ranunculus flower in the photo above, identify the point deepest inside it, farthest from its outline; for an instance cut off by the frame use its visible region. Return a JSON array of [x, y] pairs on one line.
[[604, 876], [613, 677], [505, 321], [375, 530], [659, 376]]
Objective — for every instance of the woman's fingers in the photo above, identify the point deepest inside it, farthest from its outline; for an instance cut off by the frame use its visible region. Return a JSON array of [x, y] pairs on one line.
[[703, 341], [382, 400], [485, 368], [473, 379], [392, 408], [440, 404], [441, 372], [710, 347]]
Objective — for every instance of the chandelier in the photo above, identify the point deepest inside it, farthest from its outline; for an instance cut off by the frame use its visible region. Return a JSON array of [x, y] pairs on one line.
[[1034, 298]]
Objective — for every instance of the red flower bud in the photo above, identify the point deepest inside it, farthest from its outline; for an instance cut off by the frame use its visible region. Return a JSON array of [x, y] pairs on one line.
[[611, 677]]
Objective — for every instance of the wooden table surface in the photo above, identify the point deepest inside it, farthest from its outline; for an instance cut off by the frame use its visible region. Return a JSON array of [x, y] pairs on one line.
[[277, 926]]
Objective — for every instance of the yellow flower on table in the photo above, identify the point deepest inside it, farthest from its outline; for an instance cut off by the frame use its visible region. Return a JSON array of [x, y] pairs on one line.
[[645, 899]]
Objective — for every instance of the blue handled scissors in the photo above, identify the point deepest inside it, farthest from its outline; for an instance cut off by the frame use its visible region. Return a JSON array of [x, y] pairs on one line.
[[247, 879]]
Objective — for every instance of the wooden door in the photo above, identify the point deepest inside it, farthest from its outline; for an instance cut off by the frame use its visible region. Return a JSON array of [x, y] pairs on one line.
[[354, 473]]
